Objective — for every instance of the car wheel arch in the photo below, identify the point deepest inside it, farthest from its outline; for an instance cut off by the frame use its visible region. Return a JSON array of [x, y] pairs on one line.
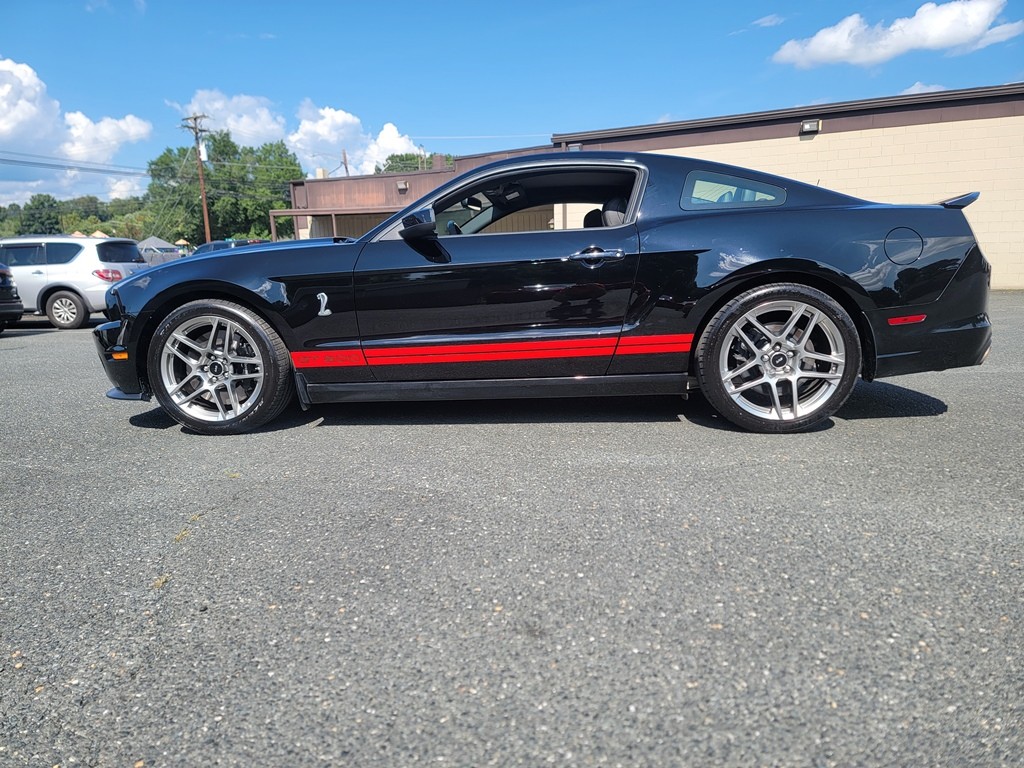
[[844, 298], [44, 295], [163, 305]]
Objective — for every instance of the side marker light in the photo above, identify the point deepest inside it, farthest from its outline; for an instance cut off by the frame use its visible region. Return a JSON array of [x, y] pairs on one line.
[[907, 319]]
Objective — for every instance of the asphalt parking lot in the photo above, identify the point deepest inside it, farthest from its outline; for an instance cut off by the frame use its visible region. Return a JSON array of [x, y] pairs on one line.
[[593, 582]]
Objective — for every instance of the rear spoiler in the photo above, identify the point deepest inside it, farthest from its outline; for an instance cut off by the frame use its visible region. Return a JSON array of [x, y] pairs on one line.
[[960, 202]]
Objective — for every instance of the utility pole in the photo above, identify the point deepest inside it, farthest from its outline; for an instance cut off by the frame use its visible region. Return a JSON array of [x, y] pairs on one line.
[[193, 124]]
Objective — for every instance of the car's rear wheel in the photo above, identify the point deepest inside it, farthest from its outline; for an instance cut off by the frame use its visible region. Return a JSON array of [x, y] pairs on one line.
[[218, 368], [66, 310], [779, 358]]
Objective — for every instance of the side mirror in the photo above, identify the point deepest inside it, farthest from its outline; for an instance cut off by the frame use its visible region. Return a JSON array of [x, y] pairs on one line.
[[419, 225], [419, 230]]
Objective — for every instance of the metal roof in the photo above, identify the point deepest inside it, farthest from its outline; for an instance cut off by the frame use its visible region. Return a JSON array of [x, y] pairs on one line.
[[906, 101]]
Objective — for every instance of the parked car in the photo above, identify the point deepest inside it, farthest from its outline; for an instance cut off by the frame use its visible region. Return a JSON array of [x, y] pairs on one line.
[[67, 277], [11, 307], [155, 254], [769, 295], [219, 245]]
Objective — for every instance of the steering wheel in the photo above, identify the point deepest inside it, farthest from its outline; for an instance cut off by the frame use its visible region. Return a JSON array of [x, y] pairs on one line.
[[453, 228]]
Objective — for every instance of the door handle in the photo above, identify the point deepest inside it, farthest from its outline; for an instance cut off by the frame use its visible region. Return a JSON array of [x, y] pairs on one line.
[[593, 257], [38, 272]]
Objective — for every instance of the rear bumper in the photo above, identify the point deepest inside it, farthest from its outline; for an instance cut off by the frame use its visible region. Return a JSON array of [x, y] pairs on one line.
[[956, 331], [118, 364]]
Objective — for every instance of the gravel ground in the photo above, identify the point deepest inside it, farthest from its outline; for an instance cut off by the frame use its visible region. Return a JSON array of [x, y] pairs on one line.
[[590, 582]]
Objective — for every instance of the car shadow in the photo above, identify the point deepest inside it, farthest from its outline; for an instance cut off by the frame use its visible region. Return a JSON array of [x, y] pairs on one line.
[[155, 418], [32, 325], [16, 332], [882, 400], [874, 400], [455, 412], [878, 400]]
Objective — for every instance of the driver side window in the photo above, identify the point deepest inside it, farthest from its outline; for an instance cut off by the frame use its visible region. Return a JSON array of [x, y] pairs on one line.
[[565, 198]]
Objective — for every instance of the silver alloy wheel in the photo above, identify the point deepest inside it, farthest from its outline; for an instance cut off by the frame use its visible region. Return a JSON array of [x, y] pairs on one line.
[[211, 368], [65, 311], [782, 360]]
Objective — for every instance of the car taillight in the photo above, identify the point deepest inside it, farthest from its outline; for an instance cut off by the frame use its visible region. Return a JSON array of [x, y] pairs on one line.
[[110, 275]]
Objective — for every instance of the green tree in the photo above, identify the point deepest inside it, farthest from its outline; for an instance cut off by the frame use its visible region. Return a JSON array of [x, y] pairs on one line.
[[242, 185], [121, 207], [10, 220], [76, 222], [40, 216], [403, 163]]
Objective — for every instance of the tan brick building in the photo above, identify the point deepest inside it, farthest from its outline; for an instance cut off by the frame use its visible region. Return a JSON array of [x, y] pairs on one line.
[[905, 149]]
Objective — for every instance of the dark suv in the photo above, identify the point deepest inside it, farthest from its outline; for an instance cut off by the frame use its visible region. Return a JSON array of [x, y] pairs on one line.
[[10, 303]]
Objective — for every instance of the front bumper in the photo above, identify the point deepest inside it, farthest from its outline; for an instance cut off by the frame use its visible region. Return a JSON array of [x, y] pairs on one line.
[[118, 363]]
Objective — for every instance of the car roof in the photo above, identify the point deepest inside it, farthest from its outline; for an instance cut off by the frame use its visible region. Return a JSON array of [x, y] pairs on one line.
[[65, 238]]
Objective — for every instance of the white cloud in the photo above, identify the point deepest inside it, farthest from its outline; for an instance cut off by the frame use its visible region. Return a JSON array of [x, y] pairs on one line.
[[958, 26], [324, 132], [772, 20], [29, 118], [250, 119], [920, 87], [388, 142], [99, 142], [31, 122], [125, 188]]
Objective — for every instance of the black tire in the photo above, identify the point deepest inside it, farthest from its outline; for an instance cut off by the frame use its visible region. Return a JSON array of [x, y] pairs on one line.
[[218, 368], [66, 310], [3, 326], [779, 358]]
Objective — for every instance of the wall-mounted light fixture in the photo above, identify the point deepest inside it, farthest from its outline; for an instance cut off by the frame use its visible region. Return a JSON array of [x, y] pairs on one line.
[[403, 186], [810, 126], [575, 147]]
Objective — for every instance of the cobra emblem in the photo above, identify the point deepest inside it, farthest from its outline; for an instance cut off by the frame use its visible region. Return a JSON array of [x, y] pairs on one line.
[[324, 311]]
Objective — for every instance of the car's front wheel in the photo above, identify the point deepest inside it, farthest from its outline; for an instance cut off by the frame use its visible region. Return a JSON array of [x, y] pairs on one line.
[[779, 358], [219, 368], [66, 310]]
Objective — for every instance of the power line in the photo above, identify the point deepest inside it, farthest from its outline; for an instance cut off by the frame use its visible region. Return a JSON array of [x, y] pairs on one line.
[[67, 166]]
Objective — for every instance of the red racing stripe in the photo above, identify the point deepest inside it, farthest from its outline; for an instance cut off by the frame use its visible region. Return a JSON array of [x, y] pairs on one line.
[[468, 353], [472, 353], [334, 358], [654, 345]]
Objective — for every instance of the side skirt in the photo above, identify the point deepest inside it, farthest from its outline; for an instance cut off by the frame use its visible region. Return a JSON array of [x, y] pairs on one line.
[[496, 389]]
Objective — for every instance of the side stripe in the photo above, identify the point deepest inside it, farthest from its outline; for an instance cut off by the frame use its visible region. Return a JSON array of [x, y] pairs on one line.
[[328, 359], [471, 353], [654, 345]]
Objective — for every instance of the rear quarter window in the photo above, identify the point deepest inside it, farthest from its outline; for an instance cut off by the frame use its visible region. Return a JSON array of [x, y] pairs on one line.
[[706, 190], [61, 253], [118, 253]]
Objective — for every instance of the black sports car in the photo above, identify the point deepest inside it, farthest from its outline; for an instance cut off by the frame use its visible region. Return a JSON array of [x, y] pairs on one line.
[[580, 273]]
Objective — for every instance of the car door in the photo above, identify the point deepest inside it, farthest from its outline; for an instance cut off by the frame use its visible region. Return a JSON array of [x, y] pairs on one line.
[[496, 304], [28, 266]]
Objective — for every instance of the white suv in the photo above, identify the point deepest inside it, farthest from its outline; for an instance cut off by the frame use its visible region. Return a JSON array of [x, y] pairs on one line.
[[67, 277]]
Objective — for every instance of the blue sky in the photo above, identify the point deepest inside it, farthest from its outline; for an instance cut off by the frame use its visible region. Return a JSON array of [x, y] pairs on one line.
[[102, 85]]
